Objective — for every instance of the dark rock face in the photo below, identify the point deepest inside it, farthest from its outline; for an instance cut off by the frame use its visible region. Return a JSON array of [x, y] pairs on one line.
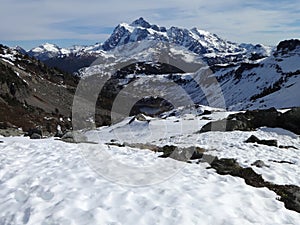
[[206, 112], [254, 139], [141, 22], [288, 45], [251, 120], [230, 166], [119, 34], [33, 94], [258, 118], [291, 120], [225, 125]]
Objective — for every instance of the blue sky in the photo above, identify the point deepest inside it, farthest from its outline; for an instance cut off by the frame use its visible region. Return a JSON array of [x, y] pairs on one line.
[[29, 23]]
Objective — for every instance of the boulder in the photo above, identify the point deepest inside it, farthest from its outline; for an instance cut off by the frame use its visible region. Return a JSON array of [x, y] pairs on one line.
[[225, 125], [206, 112], [139, 117], [258, 118], [254, 139], [74, 137], [32, 131], [59, 134], [35, 136], [259, 164], [181, 154]]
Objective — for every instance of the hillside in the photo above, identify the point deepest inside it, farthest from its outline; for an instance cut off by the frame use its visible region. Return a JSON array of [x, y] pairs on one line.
[[32, 94], [160, 68], [137, 71]]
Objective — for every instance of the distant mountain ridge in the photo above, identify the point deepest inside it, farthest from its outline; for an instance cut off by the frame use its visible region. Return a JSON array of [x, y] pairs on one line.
[[249, 76], [213, 49]]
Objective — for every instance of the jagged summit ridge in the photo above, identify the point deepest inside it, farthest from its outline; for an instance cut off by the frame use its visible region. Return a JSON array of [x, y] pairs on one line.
[[140, 22], [196, 40], [209, 46]]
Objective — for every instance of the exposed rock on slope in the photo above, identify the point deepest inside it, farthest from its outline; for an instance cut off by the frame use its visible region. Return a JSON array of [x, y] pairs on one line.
[[33, 94], [251, 120]]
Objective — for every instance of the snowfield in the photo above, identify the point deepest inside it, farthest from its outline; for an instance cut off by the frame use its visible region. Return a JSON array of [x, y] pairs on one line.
[[51, 182]]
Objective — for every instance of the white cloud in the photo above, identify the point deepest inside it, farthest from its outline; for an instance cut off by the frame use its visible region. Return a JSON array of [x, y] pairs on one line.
[[255, 21]]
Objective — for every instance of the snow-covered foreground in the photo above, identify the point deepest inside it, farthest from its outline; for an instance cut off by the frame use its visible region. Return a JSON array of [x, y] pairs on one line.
[[181, 131], [52, 182]]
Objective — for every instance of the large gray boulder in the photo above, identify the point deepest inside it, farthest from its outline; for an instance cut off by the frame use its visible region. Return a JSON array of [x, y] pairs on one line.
[[225, 125], [181, 154], [36, 136], [74, 137], [254, 139]]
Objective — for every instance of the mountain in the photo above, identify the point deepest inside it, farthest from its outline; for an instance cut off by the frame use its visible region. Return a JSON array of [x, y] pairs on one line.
[[272, 81], [67, 59], [33, 94], [20, 50], [195, 40], [178, 64], [212, 49]]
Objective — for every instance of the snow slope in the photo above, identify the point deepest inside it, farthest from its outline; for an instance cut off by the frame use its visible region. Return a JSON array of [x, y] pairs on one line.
[[180, 130], [52, 182], [49, 182]]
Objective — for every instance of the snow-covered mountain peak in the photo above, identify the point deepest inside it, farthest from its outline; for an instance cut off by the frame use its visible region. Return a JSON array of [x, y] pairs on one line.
[[47, 50], [140, 23], [46, 47], [208, 46], [195, 40], [200, 32]]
